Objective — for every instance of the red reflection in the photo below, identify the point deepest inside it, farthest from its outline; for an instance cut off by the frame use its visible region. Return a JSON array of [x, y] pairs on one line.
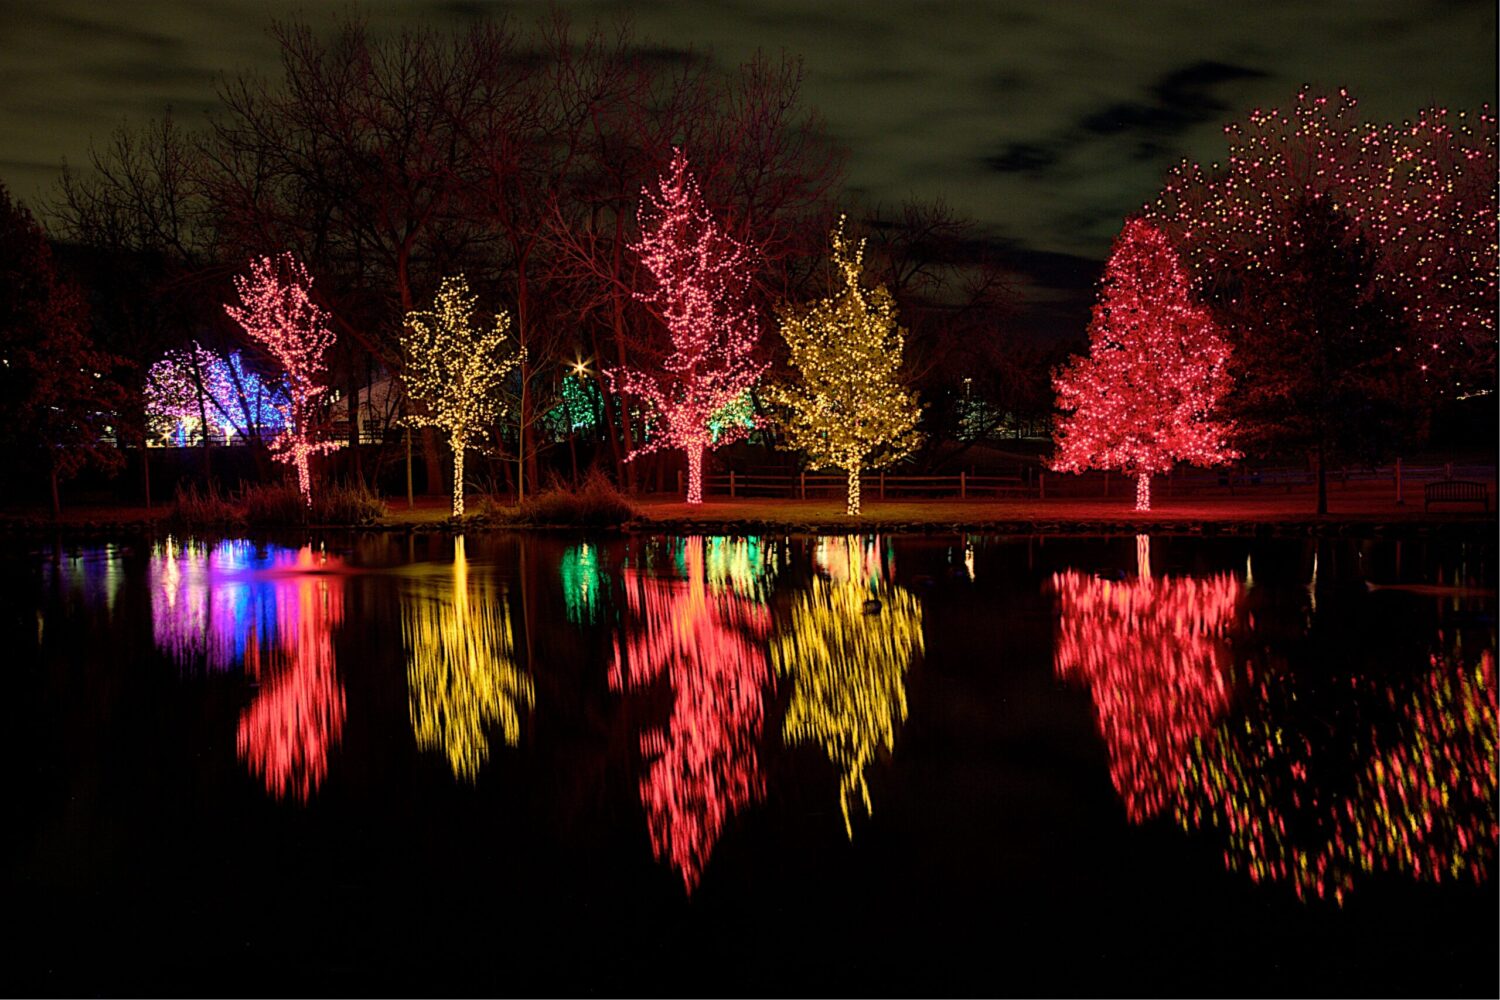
[[285, 734], [702, 767], [1149, 651], [1402, 778]]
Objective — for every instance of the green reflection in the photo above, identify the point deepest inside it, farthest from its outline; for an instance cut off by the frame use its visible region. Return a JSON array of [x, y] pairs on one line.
[[582, 583]]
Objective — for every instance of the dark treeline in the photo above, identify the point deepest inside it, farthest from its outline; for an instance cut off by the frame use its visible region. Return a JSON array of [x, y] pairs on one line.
[[516, 156]]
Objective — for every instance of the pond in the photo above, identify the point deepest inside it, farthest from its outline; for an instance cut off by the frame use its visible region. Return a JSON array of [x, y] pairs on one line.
[[844, 764]]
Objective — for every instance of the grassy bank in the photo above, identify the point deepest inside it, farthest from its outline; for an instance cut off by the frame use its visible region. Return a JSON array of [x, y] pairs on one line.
[[1357, 507]]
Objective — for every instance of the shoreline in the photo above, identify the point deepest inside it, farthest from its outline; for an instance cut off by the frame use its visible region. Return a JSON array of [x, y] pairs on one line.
[[1225, 519]]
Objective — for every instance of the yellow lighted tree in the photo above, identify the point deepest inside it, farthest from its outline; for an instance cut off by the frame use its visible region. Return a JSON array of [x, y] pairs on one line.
[[461, 672], [455, 371], [848, 667], [848, 408]]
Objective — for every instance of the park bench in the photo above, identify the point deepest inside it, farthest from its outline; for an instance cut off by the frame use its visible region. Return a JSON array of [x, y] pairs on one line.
[[1455, 491]]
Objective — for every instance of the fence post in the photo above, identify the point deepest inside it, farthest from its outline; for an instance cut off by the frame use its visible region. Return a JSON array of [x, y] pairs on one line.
[[1447, 470], [963, 485], [1106, 484], [1041, 485], [731, 484], [679, 480], [802, 484], [882, 484], [1399, 502]]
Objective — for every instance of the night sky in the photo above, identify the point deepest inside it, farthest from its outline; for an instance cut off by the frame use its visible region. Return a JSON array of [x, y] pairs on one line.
[[1047, 122]]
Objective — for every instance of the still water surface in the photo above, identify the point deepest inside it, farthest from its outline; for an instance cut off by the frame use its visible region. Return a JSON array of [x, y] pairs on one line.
[[773, 764]]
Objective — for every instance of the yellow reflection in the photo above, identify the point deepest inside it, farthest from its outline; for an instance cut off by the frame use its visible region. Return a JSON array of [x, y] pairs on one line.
[[848, 663], [461, 672]]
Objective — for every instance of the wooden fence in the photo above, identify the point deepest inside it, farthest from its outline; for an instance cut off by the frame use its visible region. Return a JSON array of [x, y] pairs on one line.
[[1032, 482]]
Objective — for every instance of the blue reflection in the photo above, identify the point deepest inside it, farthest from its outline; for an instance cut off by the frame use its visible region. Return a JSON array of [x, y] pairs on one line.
[[212, 604]]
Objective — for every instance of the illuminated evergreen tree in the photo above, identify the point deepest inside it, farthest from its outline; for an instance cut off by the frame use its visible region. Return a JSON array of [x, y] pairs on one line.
[[278, 314], [196, 385], [849, 408], [455, 371], [1144, 396], [701, 276]]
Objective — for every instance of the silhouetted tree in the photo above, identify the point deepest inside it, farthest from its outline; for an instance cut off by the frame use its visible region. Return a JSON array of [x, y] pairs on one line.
[[1316, 348], [59, 397]]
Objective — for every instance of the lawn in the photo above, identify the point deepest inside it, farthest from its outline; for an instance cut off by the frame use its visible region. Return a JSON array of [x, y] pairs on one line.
[[1354, 503]]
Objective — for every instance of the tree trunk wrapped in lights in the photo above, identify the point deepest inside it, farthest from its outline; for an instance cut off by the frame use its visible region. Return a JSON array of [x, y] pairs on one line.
[[455, 371], [849, 408], [278, 314], [702, 277], [1144, 396]]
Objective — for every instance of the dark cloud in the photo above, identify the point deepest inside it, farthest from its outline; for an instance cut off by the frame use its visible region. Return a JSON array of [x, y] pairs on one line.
[[1181, 99], [1048, 123], [1022, 157]]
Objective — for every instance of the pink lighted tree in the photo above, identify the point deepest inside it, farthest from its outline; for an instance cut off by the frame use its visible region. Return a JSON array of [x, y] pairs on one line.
[[701, 276], [1144, 396], [277, 313]]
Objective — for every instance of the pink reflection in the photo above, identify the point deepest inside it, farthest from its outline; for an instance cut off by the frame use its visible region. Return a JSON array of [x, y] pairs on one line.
[[1149, 652], [711, 649], [848, 558], [286, 733]]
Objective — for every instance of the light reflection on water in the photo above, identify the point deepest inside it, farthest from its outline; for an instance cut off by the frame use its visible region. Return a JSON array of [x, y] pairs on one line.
[[1152, 652], [847, 647], [1407, 782], [461, 672], [701, 635], [271, 610], [1305, 771], [288, 731]]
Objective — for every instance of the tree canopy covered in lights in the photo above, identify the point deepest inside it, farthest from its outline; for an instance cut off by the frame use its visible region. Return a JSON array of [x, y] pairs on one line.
[[277, 313], [1422, 193], [848, 407], [700, 282], [196, 387], [1145, 396], [455, 371], [579, 406]]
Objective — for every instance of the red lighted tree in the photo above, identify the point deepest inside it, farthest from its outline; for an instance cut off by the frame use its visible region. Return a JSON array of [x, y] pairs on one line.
[[701, 276], [1144, 396], [278, 314]]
